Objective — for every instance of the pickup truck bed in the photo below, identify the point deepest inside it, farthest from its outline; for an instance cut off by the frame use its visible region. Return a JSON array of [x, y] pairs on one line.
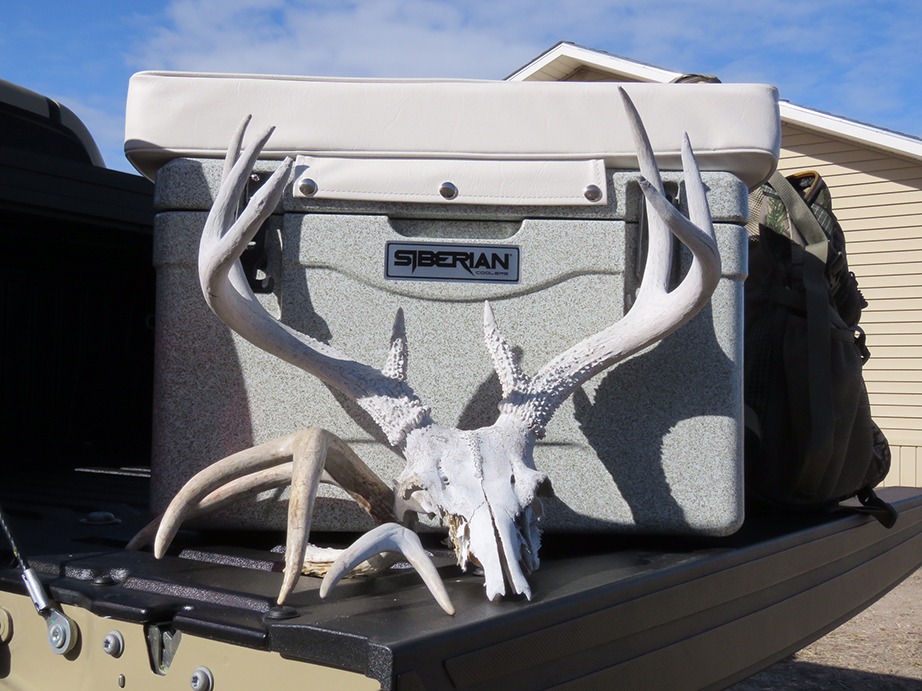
[[608, 611]]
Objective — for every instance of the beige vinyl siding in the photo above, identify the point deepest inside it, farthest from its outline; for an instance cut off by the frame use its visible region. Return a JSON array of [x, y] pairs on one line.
[[906, 468], [877, 197]]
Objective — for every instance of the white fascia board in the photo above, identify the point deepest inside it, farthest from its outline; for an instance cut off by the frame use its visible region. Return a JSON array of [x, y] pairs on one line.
[[536, 65], [868, 135], [598, 59]]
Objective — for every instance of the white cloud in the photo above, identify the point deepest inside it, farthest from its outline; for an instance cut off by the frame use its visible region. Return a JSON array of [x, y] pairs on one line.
[[418, 38]]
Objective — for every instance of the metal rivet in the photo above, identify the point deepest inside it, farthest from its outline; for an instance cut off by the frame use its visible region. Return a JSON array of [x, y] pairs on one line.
[[448, 190], [202, 680], [120, 680], [593, 193], [307, 187], [57, 637], [114, 644]]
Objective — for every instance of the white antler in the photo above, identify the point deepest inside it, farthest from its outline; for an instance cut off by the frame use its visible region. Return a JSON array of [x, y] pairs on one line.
[[389, 538], [384, 395], [657, 311], [481, 483]]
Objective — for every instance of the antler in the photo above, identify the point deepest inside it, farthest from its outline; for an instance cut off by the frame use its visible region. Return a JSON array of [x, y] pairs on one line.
[[384, 395], [657, 311]]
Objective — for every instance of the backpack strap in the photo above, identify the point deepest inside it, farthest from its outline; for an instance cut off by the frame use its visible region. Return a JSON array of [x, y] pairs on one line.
[[877, 507], [800, 213], [819, 367]]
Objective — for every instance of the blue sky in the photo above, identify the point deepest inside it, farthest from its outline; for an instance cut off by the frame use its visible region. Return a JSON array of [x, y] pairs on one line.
[[857, 59]]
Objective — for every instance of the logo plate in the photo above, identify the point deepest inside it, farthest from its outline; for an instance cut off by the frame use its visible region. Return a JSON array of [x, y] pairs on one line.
[[424, 261]]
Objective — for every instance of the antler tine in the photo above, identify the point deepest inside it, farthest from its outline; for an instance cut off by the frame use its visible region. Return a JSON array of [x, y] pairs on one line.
[[233, 148], [696, 233], [657, 312], [253, 460], [659, 244], [392, 538], [225, 236], [388, 399], [511, 376], [695, 194], [396, 365]]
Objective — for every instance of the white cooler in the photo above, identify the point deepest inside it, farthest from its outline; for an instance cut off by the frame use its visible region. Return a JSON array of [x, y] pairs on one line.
[[541, 214]]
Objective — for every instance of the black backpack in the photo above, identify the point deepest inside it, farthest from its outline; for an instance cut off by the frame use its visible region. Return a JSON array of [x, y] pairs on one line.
[[810, 439]]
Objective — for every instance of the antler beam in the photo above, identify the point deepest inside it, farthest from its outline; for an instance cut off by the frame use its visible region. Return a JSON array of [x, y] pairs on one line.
[[657, 311], [384, 395]]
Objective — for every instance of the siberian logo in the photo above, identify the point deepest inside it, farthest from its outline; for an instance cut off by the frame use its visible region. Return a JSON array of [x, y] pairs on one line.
[[438, 262]]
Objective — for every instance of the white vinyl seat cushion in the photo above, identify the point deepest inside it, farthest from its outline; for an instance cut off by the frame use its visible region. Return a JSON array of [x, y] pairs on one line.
[[507, 141]]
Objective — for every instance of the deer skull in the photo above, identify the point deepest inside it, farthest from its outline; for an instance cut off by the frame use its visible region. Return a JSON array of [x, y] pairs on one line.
[[482, 484]]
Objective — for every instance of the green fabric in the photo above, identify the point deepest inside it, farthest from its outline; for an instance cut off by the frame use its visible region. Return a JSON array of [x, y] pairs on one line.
[[801, 214]]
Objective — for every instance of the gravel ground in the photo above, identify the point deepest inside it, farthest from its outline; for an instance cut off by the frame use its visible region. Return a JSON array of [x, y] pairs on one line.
[[880, 649]]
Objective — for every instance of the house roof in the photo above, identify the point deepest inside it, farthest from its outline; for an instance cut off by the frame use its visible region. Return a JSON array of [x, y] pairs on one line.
[[565, 58]]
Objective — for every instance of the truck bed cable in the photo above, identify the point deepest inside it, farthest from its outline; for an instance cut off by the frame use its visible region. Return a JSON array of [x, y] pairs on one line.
[[62, 631]]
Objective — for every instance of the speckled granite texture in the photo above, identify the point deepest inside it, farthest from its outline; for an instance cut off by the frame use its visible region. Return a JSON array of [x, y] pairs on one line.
[[653, 445]]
